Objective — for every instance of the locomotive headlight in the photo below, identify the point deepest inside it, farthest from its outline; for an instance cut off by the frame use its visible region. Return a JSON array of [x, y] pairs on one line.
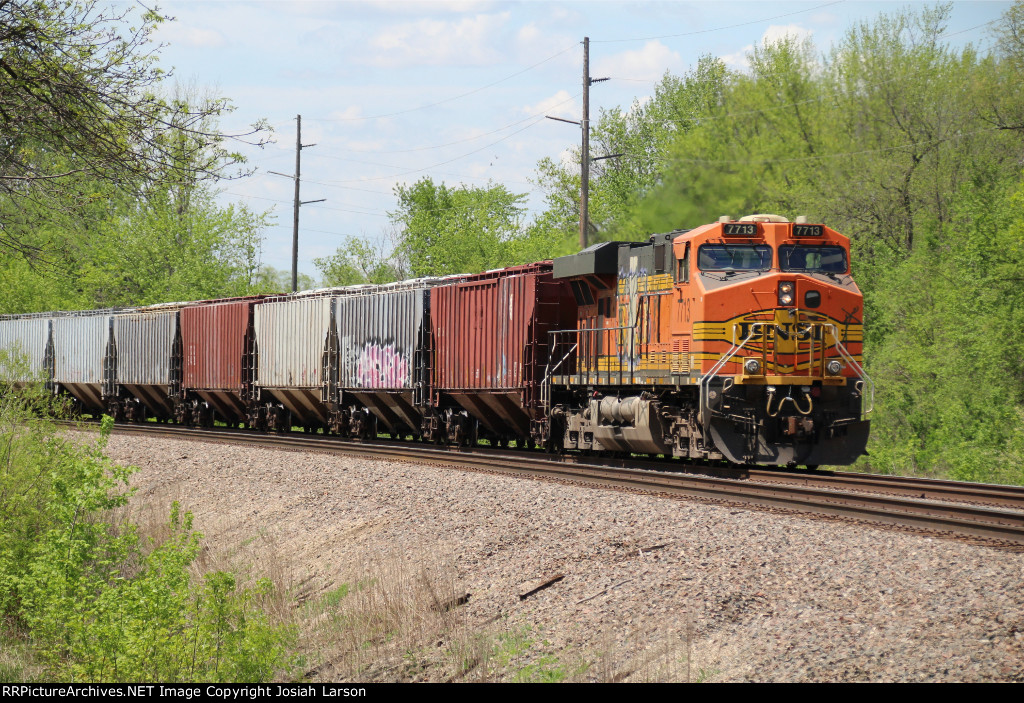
[[752, 366], [834, 367], [786, 292]]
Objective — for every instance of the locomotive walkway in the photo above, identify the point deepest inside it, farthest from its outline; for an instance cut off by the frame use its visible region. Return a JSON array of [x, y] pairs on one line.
[[991, 512]]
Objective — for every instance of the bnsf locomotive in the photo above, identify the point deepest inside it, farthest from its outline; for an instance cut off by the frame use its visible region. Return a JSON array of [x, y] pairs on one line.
[[739, 340]]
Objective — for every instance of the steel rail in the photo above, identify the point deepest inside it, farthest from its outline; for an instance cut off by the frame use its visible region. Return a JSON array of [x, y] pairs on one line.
[[907, 486], [791, 492]]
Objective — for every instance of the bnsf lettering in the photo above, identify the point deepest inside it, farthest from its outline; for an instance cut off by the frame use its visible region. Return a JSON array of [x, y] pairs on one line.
[[784, 331]]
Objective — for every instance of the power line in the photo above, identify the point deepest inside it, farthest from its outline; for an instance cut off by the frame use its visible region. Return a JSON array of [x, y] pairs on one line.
[[460, 141], [446, 100], [367, 211], [312, 207], [746, 113], [537, 117], [443, 163], [453, 143], [832, 156]]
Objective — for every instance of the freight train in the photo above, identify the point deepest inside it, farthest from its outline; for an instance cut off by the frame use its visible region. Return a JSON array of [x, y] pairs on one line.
[[739, 340]]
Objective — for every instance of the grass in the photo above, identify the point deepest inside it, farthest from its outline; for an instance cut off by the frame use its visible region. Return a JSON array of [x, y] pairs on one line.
[[17, 664], [385, 620]]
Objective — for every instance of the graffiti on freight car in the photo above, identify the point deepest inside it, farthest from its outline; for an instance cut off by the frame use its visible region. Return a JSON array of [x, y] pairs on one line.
[[381, 366]]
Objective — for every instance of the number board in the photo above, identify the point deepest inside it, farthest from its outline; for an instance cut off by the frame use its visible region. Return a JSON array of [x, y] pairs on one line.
[[808, 230], [739, 229]]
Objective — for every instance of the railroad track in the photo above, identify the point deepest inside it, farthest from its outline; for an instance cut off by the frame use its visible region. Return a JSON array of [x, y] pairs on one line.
[[977, 510]]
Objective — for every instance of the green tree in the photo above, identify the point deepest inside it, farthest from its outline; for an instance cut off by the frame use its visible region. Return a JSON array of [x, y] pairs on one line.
[[360, 260], [642, 137], [444, 230], [80, 95], [272, 280]]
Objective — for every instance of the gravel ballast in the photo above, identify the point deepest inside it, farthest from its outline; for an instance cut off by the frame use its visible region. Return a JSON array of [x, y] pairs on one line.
[[744, 594]]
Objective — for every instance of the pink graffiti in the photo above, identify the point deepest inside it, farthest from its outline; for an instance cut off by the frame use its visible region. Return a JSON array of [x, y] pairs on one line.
[[382, 367]]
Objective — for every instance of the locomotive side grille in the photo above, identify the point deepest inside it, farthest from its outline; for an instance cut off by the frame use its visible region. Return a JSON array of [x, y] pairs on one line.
[[681, 355]]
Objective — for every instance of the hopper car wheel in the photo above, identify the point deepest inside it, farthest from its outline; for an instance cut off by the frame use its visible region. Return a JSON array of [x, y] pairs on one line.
[[812, 467]]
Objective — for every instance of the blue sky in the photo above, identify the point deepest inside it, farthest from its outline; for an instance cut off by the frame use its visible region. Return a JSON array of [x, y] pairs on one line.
[[391, 92]]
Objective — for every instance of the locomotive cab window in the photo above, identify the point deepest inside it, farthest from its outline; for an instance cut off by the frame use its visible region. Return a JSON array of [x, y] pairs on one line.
[[812, 259], [734, 257]]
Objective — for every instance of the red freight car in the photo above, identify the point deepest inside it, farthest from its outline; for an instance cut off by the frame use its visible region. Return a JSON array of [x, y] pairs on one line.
[[490, 350], [217, 341]]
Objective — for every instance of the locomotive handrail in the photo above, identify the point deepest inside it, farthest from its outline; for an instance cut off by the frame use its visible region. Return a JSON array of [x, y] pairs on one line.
[[856, 366], [704, 383], [550, 370], [545, 384]]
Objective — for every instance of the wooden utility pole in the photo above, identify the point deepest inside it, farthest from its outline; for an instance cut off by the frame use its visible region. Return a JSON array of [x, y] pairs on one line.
[[585, 142], [585, 149], [295, 213], [299, 146]]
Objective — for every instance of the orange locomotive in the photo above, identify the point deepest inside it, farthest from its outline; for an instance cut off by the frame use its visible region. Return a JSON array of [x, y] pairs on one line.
[[739, 340]]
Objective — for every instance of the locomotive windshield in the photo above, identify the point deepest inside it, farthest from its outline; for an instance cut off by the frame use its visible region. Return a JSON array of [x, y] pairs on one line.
[[734, 257], [822, 259]]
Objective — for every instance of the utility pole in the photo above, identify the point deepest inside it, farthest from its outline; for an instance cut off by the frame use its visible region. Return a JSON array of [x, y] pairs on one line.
[[299, 146], [295, 208], [585, 148], [585, 144]]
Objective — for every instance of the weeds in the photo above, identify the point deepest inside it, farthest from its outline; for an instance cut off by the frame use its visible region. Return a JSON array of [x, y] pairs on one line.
[[91, 598]]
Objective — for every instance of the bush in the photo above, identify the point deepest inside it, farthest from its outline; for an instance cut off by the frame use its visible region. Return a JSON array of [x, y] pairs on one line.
[[97, 602]]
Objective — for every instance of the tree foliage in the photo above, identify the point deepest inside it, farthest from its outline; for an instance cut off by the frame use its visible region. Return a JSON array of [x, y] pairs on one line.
[[107, 173], [360, 260], [446, 230], [81, 101], [911, 147]]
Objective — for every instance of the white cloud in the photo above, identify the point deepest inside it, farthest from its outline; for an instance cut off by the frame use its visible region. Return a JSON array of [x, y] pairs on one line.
[[534, 43], [528, 33], [775, 33], [739, 59], [352, 112], [183, 34], [648, 63], [561, 104], [469, 41], [638, 104], [569, 158], [778, 32], [423, 6]]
